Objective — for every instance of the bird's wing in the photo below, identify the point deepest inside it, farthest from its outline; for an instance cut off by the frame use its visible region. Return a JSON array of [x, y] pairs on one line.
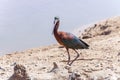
[[71, 41]]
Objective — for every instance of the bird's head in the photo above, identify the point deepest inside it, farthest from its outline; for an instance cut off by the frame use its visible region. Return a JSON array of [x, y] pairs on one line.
[[56, 19]]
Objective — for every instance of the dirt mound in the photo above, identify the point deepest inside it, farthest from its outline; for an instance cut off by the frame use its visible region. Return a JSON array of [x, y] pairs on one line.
[[105, 27]]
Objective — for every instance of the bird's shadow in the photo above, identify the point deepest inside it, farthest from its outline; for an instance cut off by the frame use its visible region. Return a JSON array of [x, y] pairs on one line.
[[90, 59]]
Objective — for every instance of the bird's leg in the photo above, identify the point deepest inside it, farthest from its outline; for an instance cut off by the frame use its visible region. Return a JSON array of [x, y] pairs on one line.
[[68, 56], [75, 58]]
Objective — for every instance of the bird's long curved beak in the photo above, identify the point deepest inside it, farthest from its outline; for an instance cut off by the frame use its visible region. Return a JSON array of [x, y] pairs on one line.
[[54, 24], [54, 21]]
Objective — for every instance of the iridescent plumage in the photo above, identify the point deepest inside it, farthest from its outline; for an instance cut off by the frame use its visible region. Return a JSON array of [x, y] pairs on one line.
[[68, 40]]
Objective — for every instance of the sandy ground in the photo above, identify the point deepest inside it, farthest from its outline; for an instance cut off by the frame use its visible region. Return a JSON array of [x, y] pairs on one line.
[[100, 62]]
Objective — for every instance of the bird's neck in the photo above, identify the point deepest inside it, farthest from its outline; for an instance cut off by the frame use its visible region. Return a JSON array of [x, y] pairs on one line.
[[55, 30], [56, 33]]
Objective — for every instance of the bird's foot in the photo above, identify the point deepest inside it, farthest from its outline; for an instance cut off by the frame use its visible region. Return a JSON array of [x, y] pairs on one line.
[[68, 67]]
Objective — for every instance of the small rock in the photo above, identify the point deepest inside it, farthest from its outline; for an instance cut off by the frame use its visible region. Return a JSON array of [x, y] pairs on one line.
[[19, 73]]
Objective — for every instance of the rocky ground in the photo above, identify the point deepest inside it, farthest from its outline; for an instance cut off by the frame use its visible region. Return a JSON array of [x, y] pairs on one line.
[[100, 62]]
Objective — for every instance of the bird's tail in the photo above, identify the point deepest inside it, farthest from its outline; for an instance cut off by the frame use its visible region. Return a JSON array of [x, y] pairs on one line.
[[86, 45]]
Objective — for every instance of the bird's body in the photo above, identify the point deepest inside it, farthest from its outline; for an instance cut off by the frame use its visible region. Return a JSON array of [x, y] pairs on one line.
[[68, 40]]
